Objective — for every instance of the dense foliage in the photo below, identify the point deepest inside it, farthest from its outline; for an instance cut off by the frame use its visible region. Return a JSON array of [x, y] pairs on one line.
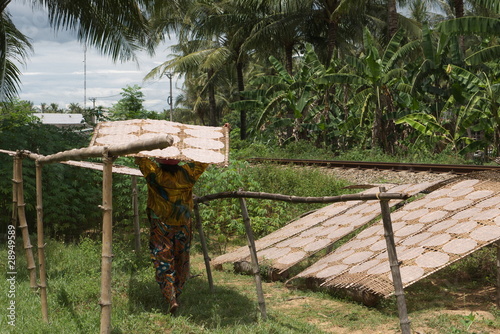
[[71, 194], [342, 74]]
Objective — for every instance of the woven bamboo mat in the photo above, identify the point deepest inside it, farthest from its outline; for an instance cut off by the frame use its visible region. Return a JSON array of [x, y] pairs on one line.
[[430, 233], [191, 142], [306, 236]]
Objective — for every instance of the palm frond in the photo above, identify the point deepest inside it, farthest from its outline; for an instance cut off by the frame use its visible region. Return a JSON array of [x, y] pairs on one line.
[[14, 47], [480, 25]]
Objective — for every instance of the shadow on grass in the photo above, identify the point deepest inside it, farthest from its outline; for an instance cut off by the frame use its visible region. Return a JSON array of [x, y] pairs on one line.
[[65, 301], [224, 307]]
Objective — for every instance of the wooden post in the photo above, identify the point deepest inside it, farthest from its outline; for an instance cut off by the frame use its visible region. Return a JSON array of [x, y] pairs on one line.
[[107, 239], [23, 225], [255, 261], [394, 264], [15, 183], [41, 243], [135, 207], [498, 272], [204, 247]]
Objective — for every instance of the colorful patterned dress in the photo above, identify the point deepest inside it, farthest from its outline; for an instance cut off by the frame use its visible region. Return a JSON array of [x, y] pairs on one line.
[[169, 208]]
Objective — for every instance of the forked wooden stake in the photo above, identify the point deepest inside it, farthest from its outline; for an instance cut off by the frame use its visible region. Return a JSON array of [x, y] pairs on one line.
[[204, 247], [255, 261], [394, 264]]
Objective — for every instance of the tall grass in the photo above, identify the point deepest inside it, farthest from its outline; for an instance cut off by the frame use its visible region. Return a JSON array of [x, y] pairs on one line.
[[138, 307]]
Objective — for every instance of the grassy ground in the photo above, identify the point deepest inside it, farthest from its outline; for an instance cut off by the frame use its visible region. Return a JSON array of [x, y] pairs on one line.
[[436, 305]]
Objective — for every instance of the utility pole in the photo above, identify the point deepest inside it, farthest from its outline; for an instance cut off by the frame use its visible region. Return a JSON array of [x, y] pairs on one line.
[[94, 118], [169, 99], [85, 74]]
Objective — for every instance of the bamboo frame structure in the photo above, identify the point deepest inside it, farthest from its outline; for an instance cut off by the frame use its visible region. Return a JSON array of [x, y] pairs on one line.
[[108, 154], [23, 225], [41, 243], [255, 261], [394, 264], [382, 196]]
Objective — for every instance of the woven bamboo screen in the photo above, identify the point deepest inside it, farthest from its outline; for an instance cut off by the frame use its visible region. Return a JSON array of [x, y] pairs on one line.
[[430, 233], [306, 236], [191, 142]]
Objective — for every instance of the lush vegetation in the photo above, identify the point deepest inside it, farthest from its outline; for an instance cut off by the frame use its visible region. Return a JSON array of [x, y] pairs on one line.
[[338, 74]]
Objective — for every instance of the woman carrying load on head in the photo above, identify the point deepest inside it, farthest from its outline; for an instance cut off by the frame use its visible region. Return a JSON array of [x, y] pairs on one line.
[[169, 209]]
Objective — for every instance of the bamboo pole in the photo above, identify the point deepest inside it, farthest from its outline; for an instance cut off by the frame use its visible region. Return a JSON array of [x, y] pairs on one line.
[[297, 199], [498, 273], [23, 225], [161, 141], [41, 243], [204, 247], [107, 239], [15, 184], [135, 207], [255, 261], [394, 264]]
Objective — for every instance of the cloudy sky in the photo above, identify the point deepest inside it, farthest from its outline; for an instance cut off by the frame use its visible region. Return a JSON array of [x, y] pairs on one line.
[[55, 71]]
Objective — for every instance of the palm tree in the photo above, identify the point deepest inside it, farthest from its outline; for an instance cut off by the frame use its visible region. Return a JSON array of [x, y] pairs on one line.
[[117, 28], [14, 46]]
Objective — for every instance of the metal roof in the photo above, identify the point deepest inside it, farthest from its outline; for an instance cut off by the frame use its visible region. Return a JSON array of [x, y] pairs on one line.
[[60, 119]]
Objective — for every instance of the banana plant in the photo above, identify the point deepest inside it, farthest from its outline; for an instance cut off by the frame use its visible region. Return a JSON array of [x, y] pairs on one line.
[[482, 91], [378, 77], [485, 27], [453, 134], [284, 99]]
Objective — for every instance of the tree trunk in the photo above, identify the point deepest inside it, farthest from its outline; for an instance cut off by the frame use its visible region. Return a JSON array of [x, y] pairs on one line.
[[213, 118], [289, 58], [392, 18], [331, 39], [243, 112], [376, 127], [459, 8], [459, 12]]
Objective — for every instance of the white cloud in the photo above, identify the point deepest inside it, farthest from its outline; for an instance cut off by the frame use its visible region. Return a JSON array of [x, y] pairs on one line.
[[56, 72]]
